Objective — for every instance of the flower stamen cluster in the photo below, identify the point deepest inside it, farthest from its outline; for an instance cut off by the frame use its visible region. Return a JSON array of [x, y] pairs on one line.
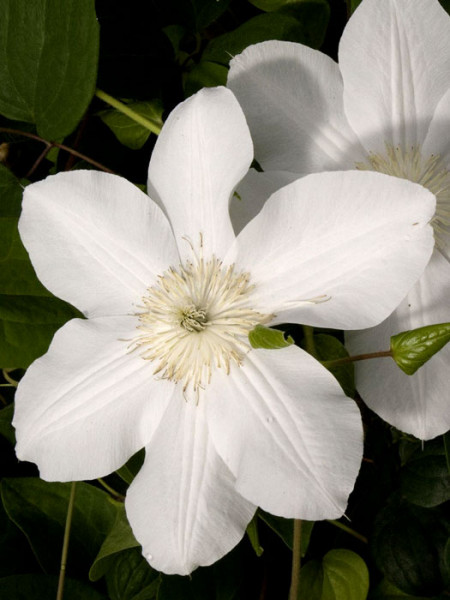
[[197, 318], [431, 173]]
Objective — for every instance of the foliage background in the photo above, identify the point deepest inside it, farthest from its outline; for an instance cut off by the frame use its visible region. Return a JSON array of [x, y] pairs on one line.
[[395, 541]]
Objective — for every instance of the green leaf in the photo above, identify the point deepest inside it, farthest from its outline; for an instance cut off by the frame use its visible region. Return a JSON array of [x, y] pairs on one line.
[[408, 544], [353, 5], [445, 5], [195, 15], [27, 326], [386, 591], [120, 538], [204, 12], [446, 564], [446, 438], [271, 5], [220, 581], [330, 348], [411, 349], [43, 587], [129, 471], [29, 315], [39, 509], [6, 429], [130, 577], [304, 22], [205, 74], [48, 62], [270, 339], [253, 536], [10, 202], [425, 479], [15, 551], [129, 132], [284, 528], [341, 575]]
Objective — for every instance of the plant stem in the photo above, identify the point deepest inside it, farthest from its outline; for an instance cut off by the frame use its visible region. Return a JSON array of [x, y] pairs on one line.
[[111, 490], [51, 145], [38, 161], [349, 530], [129, 112], [65, 548], [10, 380], [349, 359], [310, 346], [296, 561]]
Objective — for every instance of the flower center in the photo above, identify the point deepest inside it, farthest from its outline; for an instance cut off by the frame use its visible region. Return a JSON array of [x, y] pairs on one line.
[[430, 172], [197, 318], [193, 318]]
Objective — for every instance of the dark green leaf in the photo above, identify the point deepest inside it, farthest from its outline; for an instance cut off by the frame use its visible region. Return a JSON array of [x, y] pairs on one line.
[[387, 591], [270, 339], [284, 528], [425, 479], [304, 22], [39, 509], [446, 439], [6, 429], [10, 202], [408, 545], [205, 12], [15, 551], [329, 348], [43, 587], [220, 581], [130, 576], [353, 5], [271, 5], [27, 326], [194, 15], [129, 132], [411, 349], [48, 62], [253, 536], [120, 538], [341, 575], [129, 471], [10, 193], [29, 315], [205, 74]]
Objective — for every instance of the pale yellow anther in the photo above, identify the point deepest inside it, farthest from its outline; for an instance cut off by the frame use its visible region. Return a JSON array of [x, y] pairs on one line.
[[409, 163], [197, 318]]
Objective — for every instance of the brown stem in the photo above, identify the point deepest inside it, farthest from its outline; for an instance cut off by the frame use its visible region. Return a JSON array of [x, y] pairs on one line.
[[349, 359], [296, 561], [56, 145], [65, 549], [38, 161], [71, 160]]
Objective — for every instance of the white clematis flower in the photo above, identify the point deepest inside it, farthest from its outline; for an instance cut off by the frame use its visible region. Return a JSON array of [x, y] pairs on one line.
[[163, 360], [385, 108]]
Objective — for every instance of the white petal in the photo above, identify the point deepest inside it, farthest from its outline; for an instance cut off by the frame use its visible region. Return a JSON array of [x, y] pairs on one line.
[[252, 193], [437, 141], [287, 432], [337, 249], [292, 98], [417, 404], [95, 240], [87, 405], [395, 61], [182, 506], [202, 153]]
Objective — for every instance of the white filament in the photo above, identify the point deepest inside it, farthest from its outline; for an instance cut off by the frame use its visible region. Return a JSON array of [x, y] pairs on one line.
[[430, 172], [197, 318]]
